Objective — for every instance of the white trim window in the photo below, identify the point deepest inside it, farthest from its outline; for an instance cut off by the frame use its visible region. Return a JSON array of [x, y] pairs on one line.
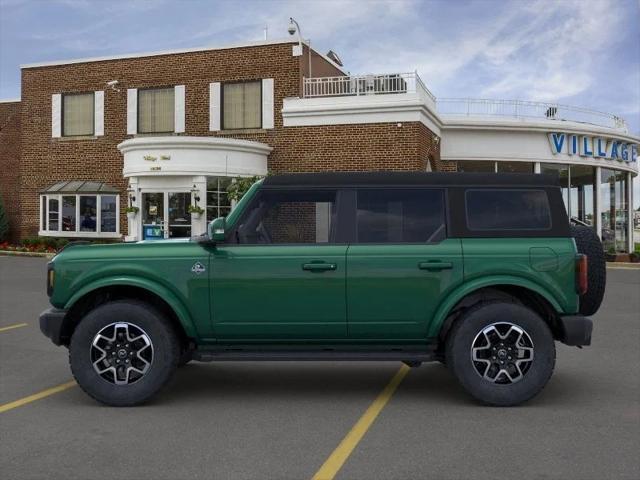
[[80, 215], [242, 105], [156, 110], [77, 114], [218, 203]]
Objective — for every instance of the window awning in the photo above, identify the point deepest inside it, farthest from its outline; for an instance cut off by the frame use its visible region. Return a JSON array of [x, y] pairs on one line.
[[80, 186]]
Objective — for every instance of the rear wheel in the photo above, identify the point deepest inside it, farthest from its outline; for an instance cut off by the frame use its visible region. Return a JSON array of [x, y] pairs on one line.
[[123, 352], [503, 354]]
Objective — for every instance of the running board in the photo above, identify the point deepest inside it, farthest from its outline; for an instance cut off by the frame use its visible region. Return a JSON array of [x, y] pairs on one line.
[[409, 356]]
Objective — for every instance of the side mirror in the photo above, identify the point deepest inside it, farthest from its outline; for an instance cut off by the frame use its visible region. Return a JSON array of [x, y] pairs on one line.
[[216, 230]]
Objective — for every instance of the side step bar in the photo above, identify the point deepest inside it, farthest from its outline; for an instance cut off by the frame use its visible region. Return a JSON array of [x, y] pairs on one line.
[[407, 356]]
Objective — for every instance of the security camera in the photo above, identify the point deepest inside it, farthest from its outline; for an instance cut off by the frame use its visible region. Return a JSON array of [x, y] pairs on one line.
[[292, 28], [112, 84]]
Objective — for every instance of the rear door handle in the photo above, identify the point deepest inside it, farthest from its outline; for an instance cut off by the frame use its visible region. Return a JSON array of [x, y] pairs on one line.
[[319, 267], [435, 266]]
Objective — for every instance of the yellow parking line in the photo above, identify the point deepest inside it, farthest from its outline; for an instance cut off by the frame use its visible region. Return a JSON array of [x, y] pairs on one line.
[[36, 396], [334, 463], [11, 327]]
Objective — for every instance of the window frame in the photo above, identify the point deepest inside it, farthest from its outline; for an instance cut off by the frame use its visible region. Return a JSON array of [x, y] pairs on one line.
[[339, 232], [93, 116], [508, 230], [98, 233], [445, 213], [166, 87], [222, 88]]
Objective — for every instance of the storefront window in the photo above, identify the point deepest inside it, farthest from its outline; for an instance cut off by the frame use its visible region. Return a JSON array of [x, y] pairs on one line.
[[108, 215], [515, 167], [69, 215], [614, 192], [581, 203], [218, 203], [561, 172], [476, 166]]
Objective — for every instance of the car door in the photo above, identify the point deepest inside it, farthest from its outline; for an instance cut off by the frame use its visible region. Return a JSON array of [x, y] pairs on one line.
[[282, 275], [401, 263]]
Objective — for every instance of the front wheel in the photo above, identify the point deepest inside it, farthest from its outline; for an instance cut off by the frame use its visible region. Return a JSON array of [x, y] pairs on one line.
[[123, 352], [502, 353]]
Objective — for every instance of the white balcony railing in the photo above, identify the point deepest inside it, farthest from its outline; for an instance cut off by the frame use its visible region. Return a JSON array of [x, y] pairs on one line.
[[355, 85], [473, 107]]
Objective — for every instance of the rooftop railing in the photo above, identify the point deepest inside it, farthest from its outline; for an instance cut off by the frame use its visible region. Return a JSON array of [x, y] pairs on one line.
[[356, 85], [473, 107], [398, 83]]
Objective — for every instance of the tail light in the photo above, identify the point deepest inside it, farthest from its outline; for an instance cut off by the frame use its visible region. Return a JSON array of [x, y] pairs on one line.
[[582, 284]]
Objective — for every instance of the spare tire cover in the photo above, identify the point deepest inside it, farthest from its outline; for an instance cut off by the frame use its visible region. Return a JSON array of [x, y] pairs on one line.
[[589, 244]]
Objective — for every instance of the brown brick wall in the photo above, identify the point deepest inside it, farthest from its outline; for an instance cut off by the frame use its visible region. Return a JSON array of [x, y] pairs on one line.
[[300, 149], [10, 163]]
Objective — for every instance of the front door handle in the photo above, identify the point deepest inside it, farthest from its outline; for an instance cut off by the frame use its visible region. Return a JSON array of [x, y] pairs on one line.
[[319, 267], [435, 266]]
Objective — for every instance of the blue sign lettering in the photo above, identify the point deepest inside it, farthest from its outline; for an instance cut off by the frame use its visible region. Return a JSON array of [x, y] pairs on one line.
[[586, 148], [557, 142]]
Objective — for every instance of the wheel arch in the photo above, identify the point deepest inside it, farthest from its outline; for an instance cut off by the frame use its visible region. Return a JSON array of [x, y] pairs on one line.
[[528, 293], [98, 293]]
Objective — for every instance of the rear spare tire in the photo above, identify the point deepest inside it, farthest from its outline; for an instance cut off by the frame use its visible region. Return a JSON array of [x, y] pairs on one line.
[[589, 244]]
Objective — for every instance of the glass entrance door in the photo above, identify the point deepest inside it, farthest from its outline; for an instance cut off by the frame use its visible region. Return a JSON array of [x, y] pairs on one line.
[[165, 215], [153, 215], [179, 217]]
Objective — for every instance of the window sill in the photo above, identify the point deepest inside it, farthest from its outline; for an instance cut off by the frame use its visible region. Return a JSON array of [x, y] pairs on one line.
[[47, 233], [157, 134], [239, 131], [77, 138]]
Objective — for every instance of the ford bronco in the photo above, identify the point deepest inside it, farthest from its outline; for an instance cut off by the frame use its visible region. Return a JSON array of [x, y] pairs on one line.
[[482, 272]]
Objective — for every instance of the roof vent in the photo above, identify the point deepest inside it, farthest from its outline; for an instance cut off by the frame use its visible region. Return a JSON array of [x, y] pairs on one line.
[[333, 56]]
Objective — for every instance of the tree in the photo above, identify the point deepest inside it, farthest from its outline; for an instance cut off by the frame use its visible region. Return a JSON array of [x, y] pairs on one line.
[[4, 223]]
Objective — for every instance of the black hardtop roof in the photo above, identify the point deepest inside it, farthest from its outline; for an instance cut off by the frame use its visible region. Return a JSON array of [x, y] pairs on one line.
[[410, 178]]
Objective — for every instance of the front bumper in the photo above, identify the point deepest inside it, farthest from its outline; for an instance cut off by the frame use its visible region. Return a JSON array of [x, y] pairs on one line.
[[576, 330], [51, 323]]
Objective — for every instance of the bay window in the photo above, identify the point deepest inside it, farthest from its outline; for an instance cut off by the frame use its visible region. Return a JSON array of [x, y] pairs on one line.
[[79, 209]]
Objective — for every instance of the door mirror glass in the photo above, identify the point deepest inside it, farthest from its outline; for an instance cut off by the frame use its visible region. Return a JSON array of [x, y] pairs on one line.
[[216, 229]]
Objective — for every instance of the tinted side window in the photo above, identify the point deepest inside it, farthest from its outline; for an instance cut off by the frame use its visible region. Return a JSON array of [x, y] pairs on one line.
[[400, 216], [519, 209], [281, 217]]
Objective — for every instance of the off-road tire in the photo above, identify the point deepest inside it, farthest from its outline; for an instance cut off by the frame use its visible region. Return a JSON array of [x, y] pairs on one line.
[[459, 352], [589, 244], [166, 352]]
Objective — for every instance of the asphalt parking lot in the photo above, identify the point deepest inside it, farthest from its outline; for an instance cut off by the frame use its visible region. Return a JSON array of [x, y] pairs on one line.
[[284, 420]]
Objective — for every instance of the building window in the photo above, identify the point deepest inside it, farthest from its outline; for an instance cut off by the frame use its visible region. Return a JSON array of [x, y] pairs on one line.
[[614, 191], [476, 166], [242, 105], [79, 215], [218, 203], [515, 167], [156, 110], [78, 114]]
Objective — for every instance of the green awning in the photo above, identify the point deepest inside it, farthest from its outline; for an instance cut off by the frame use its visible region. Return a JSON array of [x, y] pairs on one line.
[[80, 186]]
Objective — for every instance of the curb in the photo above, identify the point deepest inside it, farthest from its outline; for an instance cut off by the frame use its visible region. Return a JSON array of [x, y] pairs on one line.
[[624, 265], [11, 253]]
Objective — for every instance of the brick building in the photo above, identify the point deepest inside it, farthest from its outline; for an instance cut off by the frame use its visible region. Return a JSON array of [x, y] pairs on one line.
[[165, 130]]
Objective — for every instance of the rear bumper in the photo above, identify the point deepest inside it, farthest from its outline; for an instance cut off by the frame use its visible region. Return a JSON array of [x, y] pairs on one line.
[[576, 330], [51, 321]]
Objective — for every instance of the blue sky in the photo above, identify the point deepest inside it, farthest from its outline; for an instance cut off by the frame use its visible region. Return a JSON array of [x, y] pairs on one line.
[[583, 52], [577, 52]]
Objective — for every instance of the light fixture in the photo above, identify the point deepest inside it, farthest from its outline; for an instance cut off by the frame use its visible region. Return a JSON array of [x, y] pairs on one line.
[[195, 192], [132, 197]]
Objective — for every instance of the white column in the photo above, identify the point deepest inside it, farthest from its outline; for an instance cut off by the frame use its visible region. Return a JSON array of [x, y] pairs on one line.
[[598, 203], [198, 227], [630, 244], [134, 228], [536, 167]]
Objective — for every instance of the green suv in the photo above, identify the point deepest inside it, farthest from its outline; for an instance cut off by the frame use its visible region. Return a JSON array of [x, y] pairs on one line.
[[482, 272]]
